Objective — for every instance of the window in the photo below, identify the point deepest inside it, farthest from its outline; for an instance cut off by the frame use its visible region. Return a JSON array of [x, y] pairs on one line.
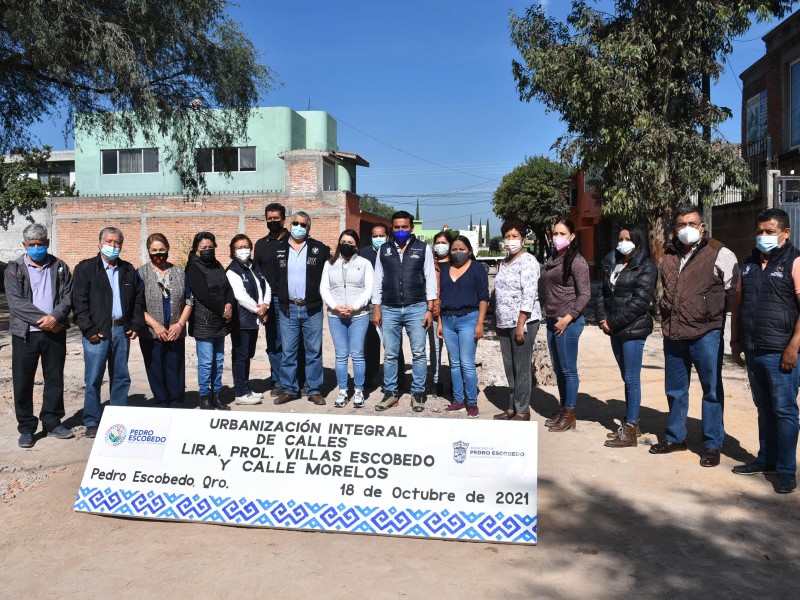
[[328, 176], [134, 160], [794, 105], [226, 160]]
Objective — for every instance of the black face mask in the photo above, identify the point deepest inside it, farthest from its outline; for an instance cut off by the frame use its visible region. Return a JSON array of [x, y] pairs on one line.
[[274, 226], [347, 250], [459, 258], [159, 258], [208, 256]]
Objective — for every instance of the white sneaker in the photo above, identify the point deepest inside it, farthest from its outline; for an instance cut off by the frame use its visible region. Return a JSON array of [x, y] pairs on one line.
[[358, 399], [341, 399], [249, 399], [258, 395]]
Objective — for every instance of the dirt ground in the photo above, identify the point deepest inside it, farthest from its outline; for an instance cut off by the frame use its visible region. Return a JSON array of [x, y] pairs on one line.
[[613, 523]]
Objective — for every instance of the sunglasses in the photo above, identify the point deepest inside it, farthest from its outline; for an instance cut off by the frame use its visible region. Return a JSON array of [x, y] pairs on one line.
[[299, 224]]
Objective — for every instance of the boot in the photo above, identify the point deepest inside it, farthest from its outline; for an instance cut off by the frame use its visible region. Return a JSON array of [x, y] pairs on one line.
[[626, 437], [566, 422], [219, 404], [205, 403], [613, 434], [555, 418]]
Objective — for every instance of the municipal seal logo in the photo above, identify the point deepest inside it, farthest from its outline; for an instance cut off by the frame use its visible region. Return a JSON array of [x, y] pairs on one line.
[[460, 451], [116, 434]]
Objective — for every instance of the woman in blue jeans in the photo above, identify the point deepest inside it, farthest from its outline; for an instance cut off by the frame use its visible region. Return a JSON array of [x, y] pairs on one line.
[[565, 289], [622, 309], [463, 300], [346, 288], [211, 317]]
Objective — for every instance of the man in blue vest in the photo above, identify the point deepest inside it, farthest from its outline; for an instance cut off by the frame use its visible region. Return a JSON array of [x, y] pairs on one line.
[[766, 326], [403, 296]]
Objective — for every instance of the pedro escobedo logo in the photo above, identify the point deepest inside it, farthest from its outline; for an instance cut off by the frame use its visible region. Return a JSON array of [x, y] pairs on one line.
[[460, 451], [116, 434]]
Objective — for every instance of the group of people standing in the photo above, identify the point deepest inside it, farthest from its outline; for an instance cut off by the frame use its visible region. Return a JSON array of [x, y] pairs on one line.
[[288, 280]]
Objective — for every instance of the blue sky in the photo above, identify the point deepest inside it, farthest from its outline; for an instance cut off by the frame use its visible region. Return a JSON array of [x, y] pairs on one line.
[[423, 90]]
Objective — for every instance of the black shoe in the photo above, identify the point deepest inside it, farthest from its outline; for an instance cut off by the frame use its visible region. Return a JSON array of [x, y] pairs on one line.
[[91, 431], [61, 433], [25, 440], [753, 468], [710, 458], [665, 447], [218, 403], [206, 403], [418, 402], [787, 483]]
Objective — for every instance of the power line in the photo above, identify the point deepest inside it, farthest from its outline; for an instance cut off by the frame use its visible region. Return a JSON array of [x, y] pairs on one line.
[[732, 73]]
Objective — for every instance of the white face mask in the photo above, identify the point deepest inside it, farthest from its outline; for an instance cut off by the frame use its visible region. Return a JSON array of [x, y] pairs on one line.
[[512, 246], [441, 250], [689, 236], [626, 247], [243, 254]]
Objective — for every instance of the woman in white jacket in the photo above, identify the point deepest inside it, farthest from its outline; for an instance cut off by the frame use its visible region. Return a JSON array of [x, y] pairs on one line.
[[346, 288]]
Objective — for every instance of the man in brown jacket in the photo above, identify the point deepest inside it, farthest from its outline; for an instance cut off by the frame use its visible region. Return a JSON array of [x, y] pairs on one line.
[[698, 277]]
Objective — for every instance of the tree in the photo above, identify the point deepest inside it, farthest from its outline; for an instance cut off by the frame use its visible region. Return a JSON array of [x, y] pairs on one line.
[[129, 69], [371, 204], [486, 236], [536, 193], [628, 85]]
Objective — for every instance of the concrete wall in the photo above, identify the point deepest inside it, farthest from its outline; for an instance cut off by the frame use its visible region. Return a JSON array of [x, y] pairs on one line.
[[11, 237]]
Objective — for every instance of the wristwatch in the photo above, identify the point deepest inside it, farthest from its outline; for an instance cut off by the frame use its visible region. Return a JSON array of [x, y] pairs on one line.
[[430, 310]]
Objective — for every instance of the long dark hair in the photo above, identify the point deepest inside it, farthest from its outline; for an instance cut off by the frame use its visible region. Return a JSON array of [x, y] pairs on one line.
[[637, 237], [199, 237], [352, 233], [572, 250]]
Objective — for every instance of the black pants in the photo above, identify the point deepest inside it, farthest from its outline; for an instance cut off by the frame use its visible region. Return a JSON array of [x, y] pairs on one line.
[[25, 355], [165, 364], [243, 350]]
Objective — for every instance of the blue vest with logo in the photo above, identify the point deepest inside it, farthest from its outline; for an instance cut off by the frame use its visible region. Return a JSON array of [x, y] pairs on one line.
[[768, 312], [403, 281], [250, 279]]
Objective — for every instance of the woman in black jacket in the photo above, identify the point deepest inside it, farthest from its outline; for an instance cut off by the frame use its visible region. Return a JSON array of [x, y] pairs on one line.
[[211, 317], [622, 309]]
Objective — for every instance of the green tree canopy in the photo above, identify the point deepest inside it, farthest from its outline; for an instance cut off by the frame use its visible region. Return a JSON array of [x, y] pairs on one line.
[[628, 86], [128, 68], [371, 204], [536, 193]]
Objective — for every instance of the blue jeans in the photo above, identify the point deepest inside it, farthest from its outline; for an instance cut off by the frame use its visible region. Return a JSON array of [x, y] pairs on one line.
[[393, 320], [564, 356], [705, 354], [435, 345], [273, 331], [459, 336], [210, 361], [775, 396], [629, 358], [348, 341], [243, 349], [309, 322], [113, 352]]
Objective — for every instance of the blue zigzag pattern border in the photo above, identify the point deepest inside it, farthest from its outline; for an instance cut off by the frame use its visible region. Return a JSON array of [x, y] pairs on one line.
[[444, 524]]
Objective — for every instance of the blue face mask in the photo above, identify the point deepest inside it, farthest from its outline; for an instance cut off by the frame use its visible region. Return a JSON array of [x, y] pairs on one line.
[[110, 252], [37, 253], [766, 243], [401, 236], [298, 232], [378, 242]]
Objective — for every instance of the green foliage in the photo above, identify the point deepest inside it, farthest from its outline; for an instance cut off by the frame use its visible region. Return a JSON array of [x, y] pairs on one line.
[[119, 69], [628, 87], [371, 204]]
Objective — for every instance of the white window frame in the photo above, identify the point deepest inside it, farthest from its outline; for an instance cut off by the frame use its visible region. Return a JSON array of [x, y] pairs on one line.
[[117, 150], [238, 159]]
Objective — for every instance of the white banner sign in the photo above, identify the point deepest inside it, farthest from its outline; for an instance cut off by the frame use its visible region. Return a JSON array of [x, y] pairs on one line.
[[433, 478]]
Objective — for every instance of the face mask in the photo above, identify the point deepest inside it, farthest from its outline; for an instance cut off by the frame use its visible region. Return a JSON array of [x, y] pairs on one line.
[[626, 247], [110, 252], [37, 253], [401, 236], [347, 250], [561, 242], [767, 243], [441, 250], [274, 226], [512, 246], [298, 232], [159, 258], [208, 256], [689, 235], [459, 258], [378, 242], [243, 254]]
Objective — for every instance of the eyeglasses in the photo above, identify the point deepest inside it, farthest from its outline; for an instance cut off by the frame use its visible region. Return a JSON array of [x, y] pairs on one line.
[[299, 224], [679, 226]]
